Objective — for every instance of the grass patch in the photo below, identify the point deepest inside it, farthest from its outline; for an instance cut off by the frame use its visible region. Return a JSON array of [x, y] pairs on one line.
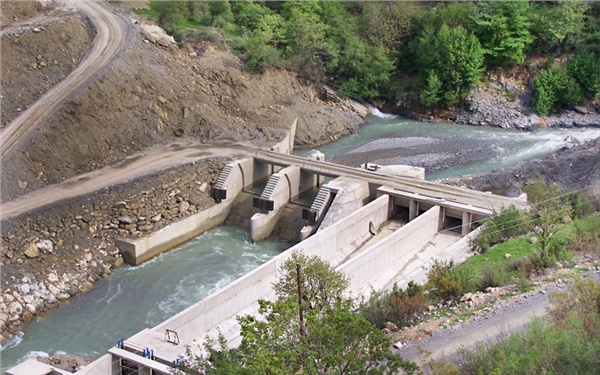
[[495, 258]]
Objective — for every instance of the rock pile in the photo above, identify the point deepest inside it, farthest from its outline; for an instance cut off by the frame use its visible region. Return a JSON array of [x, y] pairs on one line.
[[48, 258]]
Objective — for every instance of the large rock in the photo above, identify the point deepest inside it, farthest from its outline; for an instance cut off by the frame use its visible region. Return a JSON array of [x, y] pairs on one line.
[[45, 245], [32, 251], [183, 206]]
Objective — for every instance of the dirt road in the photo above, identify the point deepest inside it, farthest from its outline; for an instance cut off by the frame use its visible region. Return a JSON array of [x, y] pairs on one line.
[[113, 34], [505, 320]]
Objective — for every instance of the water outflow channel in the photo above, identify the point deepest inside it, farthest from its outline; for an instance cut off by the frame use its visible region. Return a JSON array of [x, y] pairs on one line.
[[134, 298]]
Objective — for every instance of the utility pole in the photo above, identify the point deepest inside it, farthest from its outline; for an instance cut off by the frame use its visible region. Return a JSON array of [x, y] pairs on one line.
[[300, 312]]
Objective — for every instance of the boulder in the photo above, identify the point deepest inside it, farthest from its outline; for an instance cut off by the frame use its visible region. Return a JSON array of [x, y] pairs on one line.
[[32, 251], [45, 245], [391, 326], [184, 206]]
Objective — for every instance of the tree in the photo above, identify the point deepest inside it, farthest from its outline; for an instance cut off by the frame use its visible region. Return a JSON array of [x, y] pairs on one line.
[[170, 14], [219, 9], [585, 69], [550, 209], [323, 285], [503, 28], [554, 90], [332, 338], [432, 94], [456, 58], [556, 23]]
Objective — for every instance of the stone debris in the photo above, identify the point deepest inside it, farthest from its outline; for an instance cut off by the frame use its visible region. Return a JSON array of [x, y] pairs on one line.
[[62, 256]]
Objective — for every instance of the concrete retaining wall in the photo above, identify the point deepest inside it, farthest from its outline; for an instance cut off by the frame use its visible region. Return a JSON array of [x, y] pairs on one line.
[[103, 365], [287, 144], [336, 242], [350, 196], [391, 251], [223, 304], [262, 224], [138, 251], [203, 316]]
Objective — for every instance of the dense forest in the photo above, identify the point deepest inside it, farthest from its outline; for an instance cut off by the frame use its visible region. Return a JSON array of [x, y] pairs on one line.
[[425, 54]]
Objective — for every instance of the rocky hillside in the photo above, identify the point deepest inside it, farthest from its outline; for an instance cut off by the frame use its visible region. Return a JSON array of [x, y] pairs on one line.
[[504, 100], [153, 94]]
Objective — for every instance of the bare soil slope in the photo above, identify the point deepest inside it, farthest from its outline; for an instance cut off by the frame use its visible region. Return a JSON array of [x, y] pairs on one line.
[[150, 94]]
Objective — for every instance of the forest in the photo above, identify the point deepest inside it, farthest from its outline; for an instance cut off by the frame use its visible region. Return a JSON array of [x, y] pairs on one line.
[[426, 54]]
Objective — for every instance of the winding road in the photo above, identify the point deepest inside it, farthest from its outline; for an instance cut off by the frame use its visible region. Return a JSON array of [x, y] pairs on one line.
[[112, 36]]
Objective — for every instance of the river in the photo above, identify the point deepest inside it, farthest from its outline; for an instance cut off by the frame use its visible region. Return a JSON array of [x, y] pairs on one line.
[[134, 298]]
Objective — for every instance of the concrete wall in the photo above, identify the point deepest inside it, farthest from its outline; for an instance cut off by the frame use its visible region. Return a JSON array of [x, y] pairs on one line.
[[287, 144], [137, 251], [287, 186], [199, 318], [390, 252], [336, 242], [243, 173], [350, 196], [103, 365]]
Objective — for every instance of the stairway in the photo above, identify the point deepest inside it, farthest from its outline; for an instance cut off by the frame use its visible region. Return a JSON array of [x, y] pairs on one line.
[[270, 187], [223, 176], [320, 200]]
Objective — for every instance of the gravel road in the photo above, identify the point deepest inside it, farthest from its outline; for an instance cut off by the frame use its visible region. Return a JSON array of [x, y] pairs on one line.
[[113, 34]]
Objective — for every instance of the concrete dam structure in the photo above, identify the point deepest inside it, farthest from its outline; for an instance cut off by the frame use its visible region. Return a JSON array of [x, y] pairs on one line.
[[378, 225]]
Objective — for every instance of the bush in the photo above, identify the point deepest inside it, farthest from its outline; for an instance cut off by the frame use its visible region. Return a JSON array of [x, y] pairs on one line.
[[585, 69], [401, 307], [555, 90], [447, 282], [510, 222], [492, 277], [570, 345]]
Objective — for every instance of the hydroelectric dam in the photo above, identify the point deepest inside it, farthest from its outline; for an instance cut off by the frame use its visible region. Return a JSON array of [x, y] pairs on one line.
[[378, 225]]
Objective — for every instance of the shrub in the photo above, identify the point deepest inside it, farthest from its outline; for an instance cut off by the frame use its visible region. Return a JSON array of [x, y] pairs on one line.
[[555, 90], [570, 345], [510, 222], [585, 69], [448, 282], [492, 277], [401, 307]]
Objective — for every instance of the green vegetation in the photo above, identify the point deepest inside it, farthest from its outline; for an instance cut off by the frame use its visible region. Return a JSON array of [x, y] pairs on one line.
[[329, 338], [569, 345], [429, 53]]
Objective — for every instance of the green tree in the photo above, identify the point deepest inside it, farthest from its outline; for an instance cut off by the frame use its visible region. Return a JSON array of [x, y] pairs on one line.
[[264, 41], [324, 286], [331, 339], [248, 14], [387, 24], [555, 90], [170, 14], [432, 94], [503, 27], [456, 58], [555, 23], [219, 10], [550, 209], [585, 69], [305, 41]]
